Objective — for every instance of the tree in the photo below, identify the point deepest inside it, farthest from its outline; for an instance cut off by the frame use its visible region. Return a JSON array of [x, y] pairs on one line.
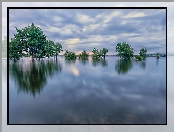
[[15, 49], [49, 48], [84, 55], [104, 51], [98, 54], [57, 49], [143, 53], [125, 51], [157, 56], [138, 58], [70, 55], [33, 40]]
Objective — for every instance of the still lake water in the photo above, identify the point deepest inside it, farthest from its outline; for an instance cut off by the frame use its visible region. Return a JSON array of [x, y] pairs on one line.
[[113, 91]]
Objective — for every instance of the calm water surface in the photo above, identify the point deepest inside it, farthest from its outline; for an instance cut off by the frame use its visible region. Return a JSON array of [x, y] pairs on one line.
[[109, 91]]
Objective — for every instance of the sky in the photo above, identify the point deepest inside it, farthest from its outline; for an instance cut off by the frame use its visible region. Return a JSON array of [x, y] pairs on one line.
[[85, 29]]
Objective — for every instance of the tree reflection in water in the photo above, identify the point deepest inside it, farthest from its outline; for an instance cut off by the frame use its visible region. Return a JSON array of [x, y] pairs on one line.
[[142, 64], [123, 66], [70, 62], [157, 62], [31, 78], [101, 62], [84, 62]]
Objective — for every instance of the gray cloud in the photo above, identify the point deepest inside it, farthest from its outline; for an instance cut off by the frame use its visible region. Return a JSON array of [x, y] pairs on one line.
[[79, 29]]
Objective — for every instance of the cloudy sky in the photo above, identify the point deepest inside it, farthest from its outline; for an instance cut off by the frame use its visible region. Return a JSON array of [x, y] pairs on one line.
[[85, 29], [82, 29]]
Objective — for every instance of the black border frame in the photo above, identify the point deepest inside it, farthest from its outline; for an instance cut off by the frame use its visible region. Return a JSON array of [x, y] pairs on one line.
[[8, 8]]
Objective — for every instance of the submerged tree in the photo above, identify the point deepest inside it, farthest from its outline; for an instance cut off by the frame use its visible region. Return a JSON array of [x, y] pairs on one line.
[[32, 39], [157, 55], [98, 54], [104, 51], [57, 49], [84, 55], [143, 53], [125, 51], [15, 49], [49, 48], [70, 55]]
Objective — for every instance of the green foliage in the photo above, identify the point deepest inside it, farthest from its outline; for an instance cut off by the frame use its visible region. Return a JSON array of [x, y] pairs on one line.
[[70, 55], [157, 56], [15, 49], [139, 58], [124, 50], [33, 42], [103, 52], [98, 54], [143, 53], [49, 48], [4, 47], [57, 49], [84, 55]]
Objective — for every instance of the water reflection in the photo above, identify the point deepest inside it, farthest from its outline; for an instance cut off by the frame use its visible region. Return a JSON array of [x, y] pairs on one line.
[[157, 62], [142, 64], [102, 62], [32, 77], [70, 62], [93, 95], [74, 70], [123, 66], [84, 62]]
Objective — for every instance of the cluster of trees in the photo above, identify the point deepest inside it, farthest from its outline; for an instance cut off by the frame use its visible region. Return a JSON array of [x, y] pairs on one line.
[[31, 41], [83, 55], [125, 51], [70, 55], [98, 54], [142, 55]]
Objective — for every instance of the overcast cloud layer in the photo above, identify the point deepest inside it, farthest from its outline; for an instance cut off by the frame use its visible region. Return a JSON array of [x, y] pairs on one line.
[[85, 29]]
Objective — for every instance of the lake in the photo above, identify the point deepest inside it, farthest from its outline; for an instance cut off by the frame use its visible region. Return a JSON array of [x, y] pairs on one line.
[[110, 91]]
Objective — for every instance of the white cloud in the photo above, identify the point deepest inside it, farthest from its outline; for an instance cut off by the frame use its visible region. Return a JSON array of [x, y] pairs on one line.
[[135, 14], [111, 16], [84, 18], [56, 18]]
